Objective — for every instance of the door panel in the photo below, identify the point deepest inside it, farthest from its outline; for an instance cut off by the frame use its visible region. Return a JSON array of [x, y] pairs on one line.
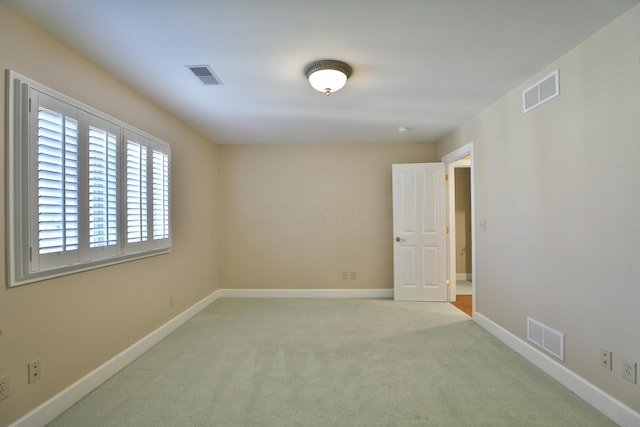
[[409, 279], [419, 225], [408, 209], [430, 220], [430, 259]]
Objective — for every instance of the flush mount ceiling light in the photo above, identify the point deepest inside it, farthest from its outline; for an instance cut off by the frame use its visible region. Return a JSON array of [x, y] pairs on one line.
[[328, 75]]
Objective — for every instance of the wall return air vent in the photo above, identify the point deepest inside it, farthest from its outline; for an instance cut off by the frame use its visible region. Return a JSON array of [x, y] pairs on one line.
[[541, 92], [205, 74], [545, 337]]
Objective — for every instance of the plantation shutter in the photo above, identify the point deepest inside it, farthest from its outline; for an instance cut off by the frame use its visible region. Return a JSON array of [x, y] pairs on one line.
[[136, 192], [56, 238], [57, 182], [84, 190], [102, 188], [102, 201], [160, 195]]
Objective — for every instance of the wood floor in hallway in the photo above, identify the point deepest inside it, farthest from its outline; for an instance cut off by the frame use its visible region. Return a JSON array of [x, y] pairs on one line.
[[464, 303]]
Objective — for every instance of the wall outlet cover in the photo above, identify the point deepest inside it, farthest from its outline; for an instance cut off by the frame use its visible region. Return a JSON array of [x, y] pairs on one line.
[[629, 371], [4, 387], [34, 370], [605, 359]]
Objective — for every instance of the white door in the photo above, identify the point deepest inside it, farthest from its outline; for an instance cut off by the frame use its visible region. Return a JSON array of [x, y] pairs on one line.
[[419, 230]]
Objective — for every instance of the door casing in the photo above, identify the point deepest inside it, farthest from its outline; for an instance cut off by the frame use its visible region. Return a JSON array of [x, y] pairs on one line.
[[449, 160]]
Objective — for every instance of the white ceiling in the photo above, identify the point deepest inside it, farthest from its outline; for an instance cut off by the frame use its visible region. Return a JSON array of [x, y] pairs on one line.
[[428, 65]]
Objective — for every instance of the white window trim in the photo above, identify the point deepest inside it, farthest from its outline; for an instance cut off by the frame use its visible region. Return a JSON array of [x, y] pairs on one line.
[[19, 195]]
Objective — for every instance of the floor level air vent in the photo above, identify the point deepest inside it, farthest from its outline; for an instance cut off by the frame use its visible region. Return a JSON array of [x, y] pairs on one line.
[[541, 92], [204, 74], [545, 337]]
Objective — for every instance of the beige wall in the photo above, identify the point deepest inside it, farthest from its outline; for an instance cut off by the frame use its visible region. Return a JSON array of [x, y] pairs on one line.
[[75, 323], [463, 220], [297, 216], [559, 188]]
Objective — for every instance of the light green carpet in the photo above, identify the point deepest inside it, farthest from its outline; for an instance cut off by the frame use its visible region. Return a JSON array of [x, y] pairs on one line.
[[330, 362], [464, 287]]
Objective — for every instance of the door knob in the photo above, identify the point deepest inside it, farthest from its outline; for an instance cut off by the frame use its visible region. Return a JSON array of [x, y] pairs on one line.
[[398, 239]]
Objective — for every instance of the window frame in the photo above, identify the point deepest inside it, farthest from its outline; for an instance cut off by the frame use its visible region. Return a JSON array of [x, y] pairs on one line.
[[25, 262]]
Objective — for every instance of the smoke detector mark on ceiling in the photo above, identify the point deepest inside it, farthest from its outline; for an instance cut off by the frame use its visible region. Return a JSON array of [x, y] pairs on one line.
[[205, 74]]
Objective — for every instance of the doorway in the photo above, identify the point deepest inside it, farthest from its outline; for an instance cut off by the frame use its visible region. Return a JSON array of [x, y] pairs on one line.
[[460, 218]]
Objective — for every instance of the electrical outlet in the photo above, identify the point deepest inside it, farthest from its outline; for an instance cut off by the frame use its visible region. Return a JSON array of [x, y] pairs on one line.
[[4, 387], [354, 275], [34, 369], [605, 359], [345, 275], [629, 371]]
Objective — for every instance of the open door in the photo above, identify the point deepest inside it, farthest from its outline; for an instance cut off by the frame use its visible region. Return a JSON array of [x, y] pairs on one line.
[[419, 227]]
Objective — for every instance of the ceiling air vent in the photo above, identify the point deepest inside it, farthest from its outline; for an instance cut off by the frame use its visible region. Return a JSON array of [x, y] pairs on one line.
[[541, 92], [204, 74]]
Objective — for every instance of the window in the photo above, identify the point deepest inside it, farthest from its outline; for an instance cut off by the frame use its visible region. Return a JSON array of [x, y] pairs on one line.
[[84, 190]]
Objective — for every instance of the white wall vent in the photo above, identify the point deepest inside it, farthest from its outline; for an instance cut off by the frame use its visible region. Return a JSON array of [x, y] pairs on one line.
[[541, 92], [546, 337], [205, 74]]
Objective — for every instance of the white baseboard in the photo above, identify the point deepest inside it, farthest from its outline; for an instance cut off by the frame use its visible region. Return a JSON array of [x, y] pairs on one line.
[[62, 401], [306, 293], [463, 276], [609, 406]]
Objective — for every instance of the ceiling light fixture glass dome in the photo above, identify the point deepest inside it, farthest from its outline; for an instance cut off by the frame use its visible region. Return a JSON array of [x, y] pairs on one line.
[[328, 75]]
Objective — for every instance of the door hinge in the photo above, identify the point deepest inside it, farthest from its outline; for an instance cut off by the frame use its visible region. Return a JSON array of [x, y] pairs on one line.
[[30, 254], [29, 104], [446, 177], [447, 230]]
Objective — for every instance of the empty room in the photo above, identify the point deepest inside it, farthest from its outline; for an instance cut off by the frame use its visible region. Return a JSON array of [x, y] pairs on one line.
[[250, 213]]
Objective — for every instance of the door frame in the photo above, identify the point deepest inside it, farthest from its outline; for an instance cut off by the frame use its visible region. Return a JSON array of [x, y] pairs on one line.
[[449, 160]]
